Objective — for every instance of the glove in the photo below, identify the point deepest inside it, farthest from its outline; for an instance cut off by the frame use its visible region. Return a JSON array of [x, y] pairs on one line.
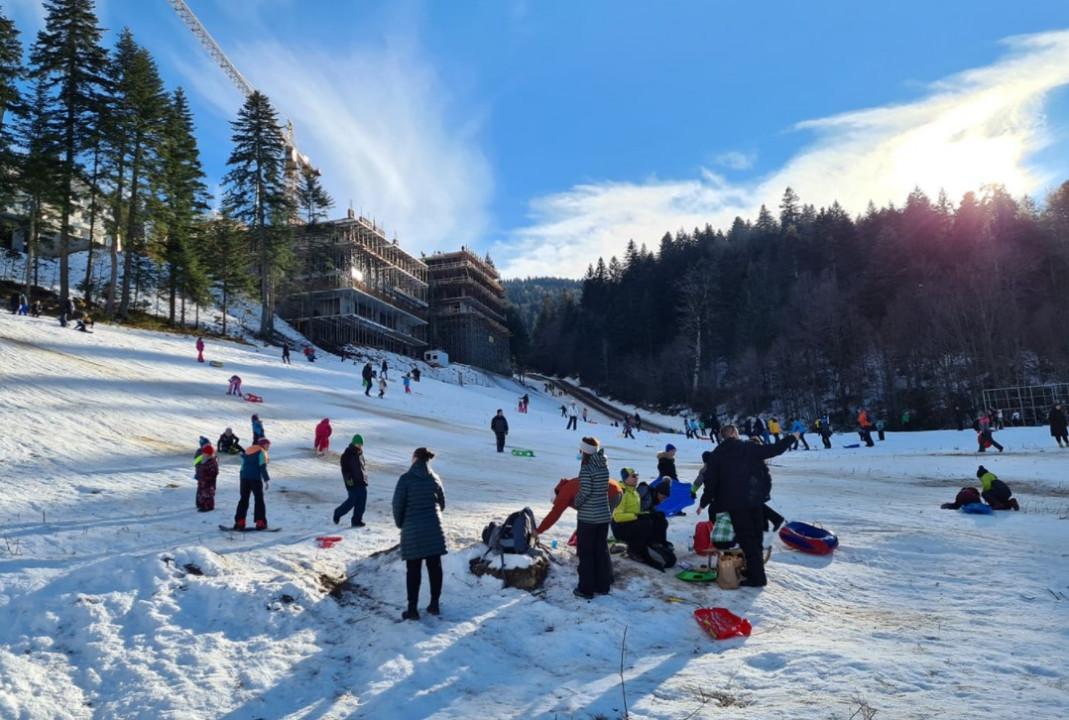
[[693, 495]]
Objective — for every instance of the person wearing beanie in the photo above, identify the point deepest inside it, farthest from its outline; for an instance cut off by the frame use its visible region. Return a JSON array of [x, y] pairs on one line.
[[500, 426], [638, 528], [206, 470], [229, 443], [592, 534], [253, 480], [418, 502], [257, 428], [995, 493], [354, 475], [666, 462], [322, 436]]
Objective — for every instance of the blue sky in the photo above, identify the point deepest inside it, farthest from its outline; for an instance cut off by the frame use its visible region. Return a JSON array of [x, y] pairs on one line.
[[551, 132]]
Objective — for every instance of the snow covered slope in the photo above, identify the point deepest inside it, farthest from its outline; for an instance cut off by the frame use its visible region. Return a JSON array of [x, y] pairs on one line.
[[119, 600]]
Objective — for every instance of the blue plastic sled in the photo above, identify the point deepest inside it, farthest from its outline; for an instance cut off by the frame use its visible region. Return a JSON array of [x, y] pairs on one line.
[[977, 509], [852, 445], [677, 500]]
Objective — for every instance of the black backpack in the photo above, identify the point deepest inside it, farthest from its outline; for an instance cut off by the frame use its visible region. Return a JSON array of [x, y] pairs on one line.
[[512, 536], [662, 556]]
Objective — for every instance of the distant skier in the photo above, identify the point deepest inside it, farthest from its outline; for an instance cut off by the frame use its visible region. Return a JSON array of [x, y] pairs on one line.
[[229, 443], [1057, 422], [382, 387], [200, 350], [206, 470], [354, 474], [286, 353], [234, 388], [367, 373], [500, 426], [573, 417], [418, 502], [254, 479], [322, 436], [257, 429], [385, 369]]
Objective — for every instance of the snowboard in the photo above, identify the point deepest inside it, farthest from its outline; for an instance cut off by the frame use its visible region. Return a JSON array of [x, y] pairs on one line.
[[231, 528]]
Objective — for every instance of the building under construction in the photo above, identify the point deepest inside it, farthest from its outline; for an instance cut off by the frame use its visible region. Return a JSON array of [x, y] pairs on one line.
[[352, 286], [468, 310]]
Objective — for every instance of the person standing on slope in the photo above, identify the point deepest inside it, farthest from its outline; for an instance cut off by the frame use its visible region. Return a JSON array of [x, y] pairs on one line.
[[1057, 422], [666, 463], [864, 423], [592, 534], [573, 417], [774, 428], [200, 350], [257, 429], [354, 474], [418, 502], [736, 484], [254, 480], [385, 369], [500, 426], [984, 435], [367, 373], [797, 428], [322, 436], [206, 472], [382, 387], [286, 353]]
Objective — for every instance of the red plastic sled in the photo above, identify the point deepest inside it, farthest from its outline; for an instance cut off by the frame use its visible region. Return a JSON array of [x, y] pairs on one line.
[[721, 623], [328, 541], [249, 397]]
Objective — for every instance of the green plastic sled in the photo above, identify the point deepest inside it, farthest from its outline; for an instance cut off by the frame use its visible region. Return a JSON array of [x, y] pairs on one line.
[[215, 363], [697, 576], [523, 453]]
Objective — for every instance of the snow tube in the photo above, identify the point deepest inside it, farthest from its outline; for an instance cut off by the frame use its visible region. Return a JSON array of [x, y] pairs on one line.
[[977, 508], [808, 538], [721, 623], [678, 499]]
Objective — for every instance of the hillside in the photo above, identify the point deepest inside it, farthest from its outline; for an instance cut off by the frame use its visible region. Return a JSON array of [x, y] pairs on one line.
[[121, 601], [529, 294]]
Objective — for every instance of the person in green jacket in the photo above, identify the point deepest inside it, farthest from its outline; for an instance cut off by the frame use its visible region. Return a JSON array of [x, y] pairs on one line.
[[637, 528], [995, 493]]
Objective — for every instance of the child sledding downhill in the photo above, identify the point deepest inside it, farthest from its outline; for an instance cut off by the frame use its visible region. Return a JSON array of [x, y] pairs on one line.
[[229, 443], [254, 480]]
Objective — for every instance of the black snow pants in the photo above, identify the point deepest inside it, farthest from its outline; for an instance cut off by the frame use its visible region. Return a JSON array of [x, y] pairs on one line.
[[256, 489], [413, 578], [500, 441], [749, 524], [595, 565]]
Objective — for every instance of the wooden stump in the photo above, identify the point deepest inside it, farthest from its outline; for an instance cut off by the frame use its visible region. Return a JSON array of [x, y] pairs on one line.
[[530, 577]]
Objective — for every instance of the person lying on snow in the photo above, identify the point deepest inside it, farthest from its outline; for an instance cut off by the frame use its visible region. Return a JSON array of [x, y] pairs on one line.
[[996, 493], [965, 496], [564, 498], [229, 443], [642, 531]]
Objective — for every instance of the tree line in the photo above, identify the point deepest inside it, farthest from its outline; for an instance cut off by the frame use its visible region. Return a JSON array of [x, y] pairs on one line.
[[89, 129], [913, 308]]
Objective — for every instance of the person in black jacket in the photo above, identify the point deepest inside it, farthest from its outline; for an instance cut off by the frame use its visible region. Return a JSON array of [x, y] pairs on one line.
[[737, 483], [367, 374], [500, 426], [354, 473], [1057, 423], [666, 462]]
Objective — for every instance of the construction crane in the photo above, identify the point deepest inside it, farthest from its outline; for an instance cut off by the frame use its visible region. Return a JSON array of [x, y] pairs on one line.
[[295, 160]]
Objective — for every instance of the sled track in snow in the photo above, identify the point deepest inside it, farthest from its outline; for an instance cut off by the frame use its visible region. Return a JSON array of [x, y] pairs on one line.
[[597, 403]]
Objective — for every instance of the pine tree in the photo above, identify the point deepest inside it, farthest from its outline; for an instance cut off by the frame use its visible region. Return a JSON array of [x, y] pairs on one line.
[[228, 256], [312, 199], [182, 197], [256, 194], [39, 173], [68, 59], [11, 72]]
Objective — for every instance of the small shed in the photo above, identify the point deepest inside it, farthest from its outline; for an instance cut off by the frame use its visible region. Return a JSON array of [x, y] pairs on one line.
[[436, 358]]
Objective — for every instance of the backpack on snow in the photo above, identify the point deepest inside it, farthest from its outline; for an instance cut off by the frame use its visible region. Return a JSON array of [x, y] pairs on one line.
[[661, 555], [512, 536]]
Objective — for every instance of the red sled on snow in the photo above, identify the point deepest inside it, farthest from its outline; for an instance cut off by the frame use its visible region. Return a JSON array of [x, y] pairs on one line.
[[328, 541], [721, 623], [249, 397]]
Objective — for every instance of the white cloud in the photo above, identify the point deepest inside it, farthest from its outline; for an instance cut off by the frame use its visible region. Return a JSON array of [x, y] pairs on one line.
[[376, 120], [735, 160], [976, 127]]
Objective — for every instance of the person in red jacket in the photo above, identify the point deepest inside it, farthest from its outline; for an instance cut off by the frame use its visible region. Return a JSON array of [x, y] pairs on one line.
[[564, 495], [323, 432], [200, 349]]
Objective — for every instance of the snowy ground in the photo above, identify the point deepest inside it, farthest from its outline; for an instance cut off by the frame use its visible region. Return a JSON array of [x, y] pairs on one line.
[[922, 613]]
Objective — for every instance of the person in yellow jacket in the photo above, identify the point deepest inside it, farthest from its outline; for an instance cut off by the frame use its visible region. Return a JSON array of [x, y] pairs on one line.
[[638, 529], [774, 428]]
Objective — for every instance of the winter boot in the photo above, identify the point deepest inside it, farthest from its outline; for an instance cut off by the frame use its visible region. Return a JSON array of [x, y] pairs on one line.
[[239, 524], [1014, 504], [433, 608], [261, 524], [410, 614]]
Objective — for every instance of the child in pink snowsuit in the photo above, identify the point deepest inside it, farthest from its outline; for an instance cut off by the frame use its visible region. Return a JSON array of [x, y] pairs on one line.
[[200, 349], [235, 386], [322, 439]]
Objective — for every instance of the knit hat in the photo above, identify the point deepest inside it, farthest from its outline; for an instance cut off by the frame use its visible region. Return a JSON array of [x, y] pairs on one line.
[[203, 441], [626, 472], [255, 417], [669, 447], [264, 442], [981, 471], [207, 450], [357, 440], [588, 448]]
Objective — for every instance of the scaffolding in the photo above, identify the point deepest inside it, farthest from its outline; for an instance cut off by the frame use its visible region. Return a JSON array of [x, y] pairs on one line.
[[468, 310], [1034, 402], [353, 286]]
